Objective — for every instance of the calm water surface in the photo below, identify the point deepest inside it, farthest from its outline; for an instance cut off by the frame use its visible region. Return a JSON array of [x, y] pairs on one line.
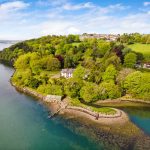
[[141, 117], [4, 45], [24, 124]]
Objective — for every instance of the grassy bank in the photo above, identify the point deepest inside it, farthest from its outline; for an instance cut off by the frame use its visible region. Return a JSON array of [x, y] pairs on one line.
[[121, 104], [103, 110], [142, 48]]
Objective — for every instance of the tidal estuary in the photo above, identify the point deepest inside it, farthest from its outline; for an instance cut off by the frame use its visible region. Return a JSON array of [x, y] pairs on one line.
[[24, 123]]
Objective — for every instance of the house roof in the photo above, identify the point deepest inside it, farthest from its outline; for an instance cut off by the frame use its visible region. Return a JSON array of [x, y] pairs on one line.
[[67, 70]]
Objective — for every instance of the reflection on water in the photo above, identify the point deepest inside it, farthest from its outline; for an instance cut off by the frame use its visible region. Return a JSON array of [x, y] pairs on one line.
[[24, 124], [4, 45]]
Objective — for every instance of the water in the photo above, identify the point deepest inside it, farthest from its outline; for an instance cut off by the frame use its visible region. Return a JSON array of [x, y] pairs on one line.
[[24, 124], [141, 117], [3, 45]]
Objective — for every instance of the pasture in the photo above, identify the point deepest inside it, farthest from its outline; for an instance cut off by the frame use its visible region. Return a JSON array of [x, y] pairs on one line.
[[142, 48]]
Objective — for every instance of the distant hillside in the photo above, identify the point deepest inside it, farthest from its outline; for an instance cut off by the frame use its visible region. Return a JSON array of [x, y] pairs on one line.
[[6, 43]]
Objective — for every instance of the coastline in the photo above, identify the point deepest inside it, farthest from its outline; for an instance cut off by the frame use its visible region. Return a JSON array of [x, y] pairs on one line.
[[115, 131], [119, 116], [122, 118], [119, 100]]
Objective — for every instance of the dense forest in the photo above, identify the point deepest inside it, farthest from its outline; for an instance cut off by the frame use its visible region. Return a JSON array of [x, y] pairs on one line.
[[103, 69]]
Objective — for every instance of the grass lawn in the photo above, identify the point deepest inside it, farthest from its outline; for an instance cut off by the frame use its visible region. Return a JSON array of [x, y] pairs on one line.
[[141, 48], [50, 73], [103, 110]]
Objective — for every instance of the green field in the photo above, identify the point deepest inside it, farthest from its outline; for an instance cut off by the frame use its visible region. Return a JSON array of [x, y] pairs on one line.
[[103, 110], [142, 48]]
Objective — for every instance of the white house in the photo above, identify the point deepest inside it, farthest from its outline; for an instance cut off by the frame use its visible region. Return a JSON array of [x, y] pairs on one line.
[[67, 73]]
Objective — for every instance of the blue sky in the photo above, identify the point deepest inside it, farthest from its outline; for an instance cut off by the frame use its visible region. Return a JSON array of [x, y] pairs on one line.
[[25, 19]]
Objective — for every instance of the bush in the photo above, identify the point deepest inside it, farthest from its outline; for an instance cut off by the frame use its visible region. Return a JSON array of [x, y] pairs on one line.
[[138, 85], [89, 92], [130, 60], [73, 86], [32, 82], [108, 90], [79, 73], [110, 73], [50, 89]]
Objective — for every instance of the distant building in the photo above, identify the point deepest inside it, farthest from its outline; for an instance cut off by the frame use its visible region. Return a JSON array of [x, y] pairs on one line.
[[107, 37], [67, 73], [146, 65], [50, 98]]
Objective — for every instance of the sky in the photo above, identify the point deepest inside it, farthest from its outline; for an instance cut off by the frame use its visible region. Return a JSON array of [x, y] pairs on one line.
[[25, 19]]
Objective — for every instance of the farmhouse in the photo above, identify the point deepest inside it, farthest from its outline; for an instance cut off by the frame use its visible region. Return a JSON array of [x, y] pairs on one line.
[[146, 65], [67, 73]]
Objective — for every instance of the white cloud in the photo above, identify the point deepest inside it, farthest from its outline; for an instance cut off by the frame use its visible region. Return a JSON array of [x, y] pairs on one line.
[[58, 2], [18, 24], [146, 3], [54, 27], [87, 5], [112, 8], [15, 5], [73, 30], [51, 2]]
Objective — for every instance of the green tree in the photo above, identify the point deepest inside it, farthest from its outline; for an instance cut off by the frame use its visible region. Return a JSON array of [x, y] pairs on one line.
[[114, 59], [130, 60], [89, 92], [23, 61], [138, 85], [110, 73], [68, 62], [103, 47], [126, 50], [53, 64], [73, 86], [123, 74], [32, 82], [108, 90], [50, 89], [79, 73]]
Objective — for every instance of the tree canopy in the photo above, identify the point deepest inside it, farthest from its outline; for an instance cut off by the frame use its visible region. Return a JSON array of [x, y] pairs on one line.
[[102, 69]]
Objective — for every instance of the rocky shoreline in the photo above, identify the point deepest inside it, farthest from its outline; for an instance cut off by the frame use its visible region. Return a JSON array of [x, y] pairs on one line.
[[115, 132], [63, 106]]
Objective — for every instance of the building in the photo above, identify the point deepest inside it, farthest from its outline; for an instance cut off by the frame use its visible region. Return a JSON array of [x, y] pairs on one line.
[[67, 73], [146, 65], [51, 98], [107, 37]]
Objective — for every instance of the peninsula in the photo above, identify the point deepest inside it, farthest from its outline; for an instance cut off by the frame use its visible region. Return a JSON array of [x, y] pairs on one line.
[[84, 78]]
